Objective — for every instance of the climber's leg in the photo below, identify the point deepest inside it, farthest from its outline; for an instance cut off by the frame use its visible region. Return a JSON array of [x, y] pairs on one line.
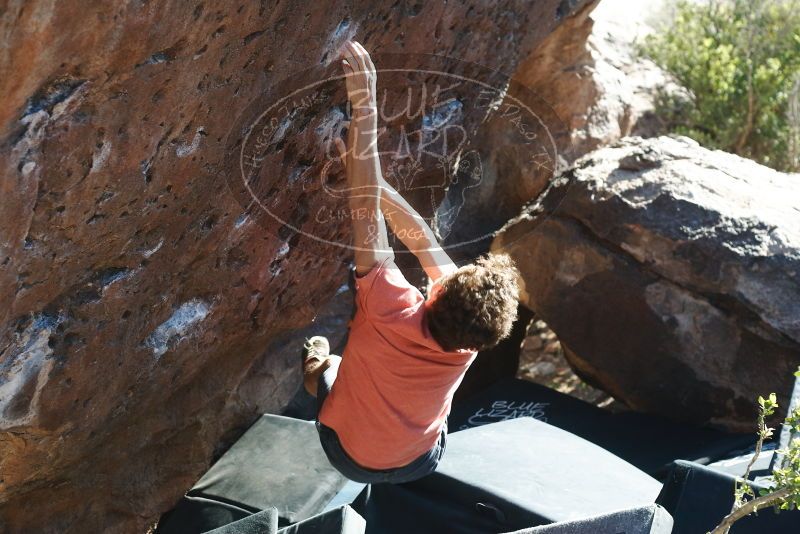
[[313, 374], [326, 378]]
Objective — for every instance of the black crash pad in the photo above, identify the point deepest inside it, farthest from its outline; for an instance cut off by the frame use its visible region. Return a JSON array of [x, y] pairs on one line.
[[651, 519], [341, 520], [698, 497], [263, 522], [506, 476], [278, 463], [737, 465], [649, 442]]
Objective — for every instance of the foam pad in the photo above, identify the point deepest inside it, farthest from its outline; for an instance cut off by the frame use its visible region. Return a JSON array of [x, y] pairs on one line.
[[264, 522], [651, 519], [197, 514], [737, 465], [505, 476], [346, 495], [650, 443], [698, 497], [278, 463], [342, 520]]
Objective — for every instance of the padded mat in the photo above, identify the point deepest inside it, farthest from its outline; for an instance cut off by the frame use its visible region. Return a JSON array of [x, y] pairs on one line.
[[505, 476], [698, 497], [278, 463], [649, 442], [651, 519]]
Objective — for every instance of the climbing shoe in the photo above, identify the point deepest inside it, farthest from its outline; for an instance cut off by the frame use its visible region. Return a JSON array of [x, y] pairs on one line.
[[316, 348]]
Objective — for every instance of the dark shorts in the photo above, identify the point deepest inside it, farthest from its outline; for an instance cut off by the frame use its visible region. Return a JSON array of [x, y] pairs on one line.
[[422, 466]]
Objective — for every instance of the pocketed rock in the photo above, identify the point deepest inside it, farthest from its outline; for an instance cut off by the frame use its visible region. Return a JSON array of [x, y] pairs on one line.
[[138, 298]]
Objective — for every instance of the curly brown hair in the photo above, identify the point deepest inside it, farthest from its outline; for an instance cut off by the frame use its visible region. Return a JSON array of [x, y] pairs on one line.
[[476, 306]]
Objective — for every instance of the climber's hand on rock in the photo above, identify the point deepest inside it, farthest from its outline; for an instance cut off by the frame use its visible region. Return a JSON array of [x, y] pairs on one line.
[[341, 148], [360, 78]]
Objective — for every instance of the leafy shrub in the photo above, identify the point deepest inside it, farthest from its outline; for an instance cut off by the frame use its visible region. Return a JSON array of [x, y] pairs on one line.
[[740, 62]]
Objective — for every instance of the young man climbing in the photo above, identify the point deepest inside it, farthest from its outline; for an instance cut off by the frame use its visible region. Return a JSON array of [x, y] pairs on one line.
[[383, 406]]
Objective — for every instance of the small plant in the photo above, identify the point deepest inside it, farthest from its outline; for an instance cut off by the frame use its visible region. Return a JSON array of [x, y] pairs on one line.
[[784, 494]]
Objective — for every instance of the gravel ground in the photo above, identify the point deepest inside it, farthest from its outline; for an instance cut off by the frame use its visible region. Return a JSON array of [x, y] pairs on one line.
[[542, 361]]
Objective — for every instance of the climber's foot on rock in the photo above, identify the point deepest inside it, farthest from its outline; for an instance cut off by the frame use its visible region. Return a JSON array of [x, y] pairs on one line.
[[316, 348], [316, 353]]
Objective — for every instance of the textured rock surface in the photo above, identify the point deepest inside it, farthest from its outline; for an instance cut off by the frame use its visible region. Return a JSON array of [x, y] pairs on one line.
[[588, 73], [671, 274], [591, 74], [627, 84], [137, 302], [557, 75]]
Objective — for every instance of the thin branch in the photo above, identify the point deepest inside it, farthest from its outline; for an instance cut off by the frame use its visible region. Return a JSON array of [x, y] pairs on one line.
[[759, 445], [750, 507], [762, 433]]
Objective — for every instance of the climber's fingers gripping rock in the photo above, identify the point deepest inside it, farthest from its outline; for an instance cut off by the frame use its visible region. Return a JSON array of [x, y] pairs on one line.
[[342, 149], [360, 76]]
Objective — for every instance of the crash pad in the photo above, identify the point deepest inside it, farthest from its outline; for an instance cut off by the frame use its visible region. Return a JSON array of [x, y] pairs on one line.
[[278, 463], [649, 442], [341, 520], [651, 519], [698, 497], [505, 476]]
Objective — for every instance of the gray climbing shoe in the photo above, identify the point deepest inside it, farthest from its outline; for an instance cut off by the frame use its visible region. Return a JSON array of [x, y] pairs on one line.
[[316, 348]]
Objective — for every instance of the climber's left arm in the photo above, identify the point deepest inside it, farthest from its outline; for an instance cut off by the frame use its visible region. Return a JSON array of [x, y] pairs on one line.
[[366, 182], [363, 166]]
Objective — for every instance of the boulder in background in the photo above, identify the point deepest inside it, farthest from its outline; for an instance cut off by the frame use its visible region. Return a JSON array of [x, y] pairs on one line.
[[671, 274]]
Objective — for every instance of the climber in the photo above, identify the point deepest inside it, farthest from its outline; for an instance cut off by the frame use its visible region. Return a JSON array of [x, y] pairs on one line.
[[383, 406]]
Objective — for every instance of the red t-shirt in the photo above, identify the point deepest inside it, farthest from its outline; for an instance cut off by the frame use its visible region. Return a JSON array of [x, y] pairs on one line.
[[395, 384]]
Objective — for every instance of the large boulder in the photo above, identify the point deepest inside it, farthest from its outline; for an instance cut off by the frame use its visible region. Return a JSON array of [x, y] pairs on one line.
[[671, 273], [144, 309]]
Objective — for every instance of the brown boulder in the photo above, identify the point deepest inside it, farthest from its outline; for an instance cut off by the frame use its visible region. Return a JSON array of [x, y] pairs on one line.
[[671, 274], [139, 299]]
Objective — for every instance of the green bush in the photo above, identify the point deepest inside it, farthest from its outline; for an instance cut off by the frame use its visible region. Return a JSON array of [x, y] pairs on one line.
[[740, 62]]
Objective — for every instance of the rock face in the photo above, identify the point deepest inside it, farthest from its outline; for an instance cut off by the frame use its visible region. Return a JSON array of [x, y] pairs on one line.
[[627, 84], [558, 76], [142, 305], [593, 77], [587, 73], [671, 274]]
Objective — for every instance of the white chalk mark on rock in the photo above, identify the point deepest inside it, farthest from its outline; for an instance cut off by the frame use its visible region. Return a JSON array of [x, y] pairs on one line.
[[344, 31], [148, 253], [100, 157], [275, 267], [184, 150], [23, 372], [241, 220], [28, 168], [342, 289], [282, 251], [173, 330]]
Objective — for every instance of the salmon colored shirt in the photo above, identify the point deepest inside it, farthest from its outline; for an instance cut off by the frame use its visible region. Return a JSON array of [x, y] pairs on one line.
[[395, 385]]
